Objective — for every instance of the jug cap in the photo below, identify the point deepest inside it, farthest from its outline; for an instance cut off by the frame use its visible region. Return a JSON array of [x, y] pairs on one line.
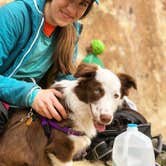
[[131, 125]]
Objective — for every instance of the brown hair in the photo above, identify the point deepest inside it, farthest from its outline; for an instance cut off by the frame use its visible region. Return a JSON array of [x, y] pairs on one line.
[[64, 50]]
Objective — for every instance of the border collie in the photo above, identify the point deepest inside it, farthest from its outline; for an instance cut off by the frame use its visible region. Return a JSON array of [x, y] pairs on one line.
[[91, 101]]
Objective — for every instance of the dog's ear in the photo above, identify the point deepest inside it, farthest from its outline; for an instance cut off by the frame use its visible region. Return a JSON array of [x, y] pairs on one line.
[[86, 70], [127, 82]]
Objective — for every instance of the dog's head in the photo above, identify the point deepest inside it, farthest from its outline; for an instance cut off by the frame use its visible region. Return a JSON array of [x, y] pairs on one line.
[[103, 90]]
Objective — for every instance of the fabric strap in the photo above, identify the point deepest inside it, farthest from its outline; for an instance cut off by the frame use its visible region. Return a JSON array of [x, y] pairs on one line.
[[4, 108], [55, 125]]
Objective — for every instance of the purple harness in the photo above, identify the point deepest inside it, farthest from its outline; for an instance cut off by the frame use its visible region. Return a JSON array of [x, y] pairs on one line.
[[55, 125]]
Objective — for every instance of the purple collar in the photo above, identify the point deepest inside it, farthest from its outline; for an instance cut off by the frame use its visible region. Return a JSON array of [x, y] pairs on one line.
[[55, 125]]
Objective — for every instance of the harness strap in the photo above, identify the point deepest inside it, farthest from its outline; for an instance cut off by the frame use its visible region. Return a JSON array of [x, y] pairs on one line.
[[4, 109], [3, 116], [52, 123], [99, 151]]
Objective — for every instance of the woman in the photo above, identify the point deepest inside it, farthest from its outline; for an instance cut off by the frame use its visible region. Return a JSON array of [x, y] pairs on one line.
[[38, 38]]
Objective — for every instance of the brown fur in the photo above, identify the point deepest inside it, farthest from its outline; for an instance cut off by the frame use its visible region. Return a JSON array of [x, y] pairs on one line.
[[61, 146], [85, 70], [92, 89], [89, 84], [127, 82], [27, 145]]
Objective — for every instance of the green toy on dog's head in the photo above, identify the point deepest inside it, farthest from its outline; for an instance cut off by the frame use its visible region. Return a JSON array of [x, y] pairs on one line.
[[97, 47]]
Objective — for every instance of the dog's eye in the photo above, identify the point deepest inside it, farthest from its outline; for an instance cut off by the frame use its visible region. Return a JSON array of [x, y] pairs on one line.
[[97, 91], [116, 95]]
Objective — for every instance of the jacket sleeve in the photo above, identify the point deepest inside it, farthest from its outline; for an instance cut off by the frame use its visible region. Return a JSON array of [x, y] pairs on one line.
[[11, 28], [12, 91], [16, 92]]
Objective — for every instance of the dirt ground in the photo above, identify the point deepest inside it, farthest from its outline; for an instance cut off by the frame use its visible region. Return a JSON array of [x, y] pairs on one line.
[[86, 163], [161, 160]]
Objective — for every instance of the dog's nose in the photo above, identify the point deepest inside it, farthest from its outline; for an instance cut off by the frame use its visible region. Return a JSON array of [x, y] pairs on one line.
[[105, 118]]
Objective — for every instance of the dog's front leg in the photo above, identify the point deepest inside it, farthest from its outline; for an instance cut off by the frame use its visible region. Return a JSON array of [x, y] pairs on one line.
[[80, 143], [57, 162]]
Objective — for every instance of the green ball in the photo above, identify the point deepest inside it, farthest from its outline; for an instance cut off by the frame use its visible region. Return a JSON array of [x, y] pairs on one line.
[[97, 47]]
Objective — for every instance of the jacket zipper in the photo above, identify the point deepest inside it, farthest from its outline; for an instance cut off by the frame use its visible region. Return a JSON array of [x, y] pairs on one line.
[[28, 49]]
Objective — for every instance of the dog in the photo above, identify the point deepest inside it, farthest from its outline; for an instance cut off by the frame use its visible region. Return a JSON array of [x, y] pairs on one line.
[[90, 101]]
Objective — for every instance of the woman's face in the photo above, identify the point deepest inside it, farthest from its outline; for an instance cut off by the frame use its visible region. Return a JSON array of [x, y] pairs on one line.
[[64, 12]]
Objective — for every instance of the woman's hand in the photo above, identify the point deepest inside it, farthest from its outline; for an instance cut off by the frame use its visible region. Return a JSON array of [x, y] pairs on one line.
[[47, 104]]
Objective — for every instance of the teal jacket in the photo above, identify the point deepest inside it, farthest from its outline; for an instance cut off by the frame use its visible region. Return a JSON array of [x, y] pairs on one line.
[[21, 24]]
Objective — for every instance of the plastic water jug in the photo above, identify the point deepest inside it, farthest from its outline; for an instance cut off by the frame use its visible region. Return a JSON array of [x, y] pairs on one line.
[[133, 148]]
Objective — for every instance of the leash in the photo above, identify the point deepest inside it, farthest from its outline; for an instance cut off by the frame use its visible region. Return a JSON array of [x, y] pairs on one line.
[[27, 118]]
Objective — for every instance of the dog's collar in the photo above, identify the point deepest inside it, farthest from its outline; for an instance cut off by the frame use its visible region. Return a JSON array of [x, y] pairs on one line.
[[55, 125]]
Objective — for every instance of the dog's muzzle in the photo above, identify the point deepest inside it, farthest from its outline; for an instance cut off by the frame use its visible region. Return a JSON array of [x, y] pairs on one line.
[[106, 119]]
